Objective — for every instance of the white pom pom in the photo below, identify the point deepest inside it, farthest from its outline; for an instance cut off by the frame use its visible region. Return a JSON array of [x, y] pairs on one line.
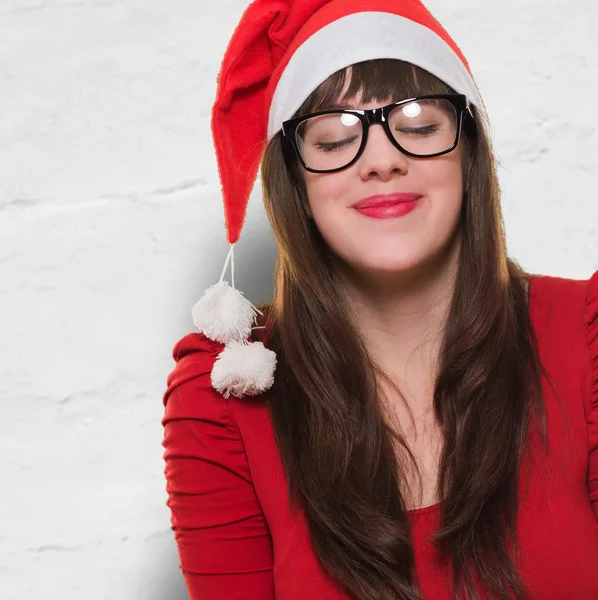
[[224, 314], [244, 369]]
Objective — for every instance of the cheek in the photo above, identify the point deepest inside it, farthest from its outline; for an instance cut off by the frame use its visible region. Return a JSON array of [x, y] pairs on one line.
[[444, 191], [443, 186], [441, 174], [328, 192]]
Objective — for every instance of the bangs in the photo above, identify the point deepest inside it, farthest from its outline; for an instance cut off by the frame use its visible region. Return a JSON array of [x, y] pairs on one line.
[[374, 81]]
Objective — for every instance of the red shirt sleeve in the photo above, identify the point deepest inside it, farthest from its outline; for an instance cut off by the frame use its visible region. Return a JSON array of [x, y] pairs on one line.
[[223, 541], [591, 330]]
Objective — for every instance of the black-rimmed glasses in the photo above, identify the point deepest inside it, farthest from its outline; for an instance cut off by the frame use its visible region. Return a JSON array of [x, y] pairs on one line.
[[422, 127]]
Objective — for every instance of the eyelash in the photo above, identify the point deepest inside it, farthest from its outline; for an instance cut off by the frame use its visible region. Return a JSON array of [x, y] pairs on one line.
[[421, 130], [331, 146]]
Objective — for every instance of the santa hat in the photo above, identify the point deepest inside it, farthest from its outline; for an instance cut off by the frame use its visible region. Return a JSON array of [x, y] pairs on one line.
[[280, 52]]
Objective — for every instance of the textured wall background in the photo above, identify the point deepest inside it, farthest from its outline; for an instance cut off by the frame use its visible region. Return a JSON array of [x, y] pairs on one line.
[[111, 227]]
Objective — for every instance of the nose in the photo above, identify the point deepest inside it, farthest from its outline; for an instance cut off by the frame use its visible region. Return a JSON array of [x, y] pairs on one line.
[[380, 158]]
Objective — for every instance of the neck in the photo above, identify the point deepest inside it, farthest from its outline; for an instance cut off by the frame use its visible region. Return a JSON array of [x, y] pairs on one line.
[[402, 316]]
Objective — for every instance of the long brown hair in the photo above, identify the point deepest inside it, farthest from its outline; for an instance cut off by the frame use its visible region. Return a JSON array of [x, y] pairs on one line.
[[337, 449]]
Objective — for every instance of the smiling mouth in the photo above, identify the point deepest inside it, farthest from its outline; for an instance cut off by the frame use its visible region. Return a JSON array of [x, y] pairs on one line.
[[383, 200], [389, 211]]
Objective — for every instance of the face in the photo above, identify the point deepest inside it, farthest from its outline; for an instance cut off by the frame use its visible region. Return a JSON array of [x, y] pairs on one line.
[[379, 247]]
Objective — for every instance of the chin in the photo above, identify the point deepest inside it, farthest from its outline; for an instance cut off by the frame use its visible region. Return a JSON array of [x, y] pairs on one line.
[[389, 265], [389, 257]]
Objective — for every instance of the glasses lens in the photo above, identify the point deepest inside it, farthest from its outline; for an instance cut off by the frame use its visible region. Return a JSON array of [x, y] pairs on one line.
[[424, 127], [330, 141]]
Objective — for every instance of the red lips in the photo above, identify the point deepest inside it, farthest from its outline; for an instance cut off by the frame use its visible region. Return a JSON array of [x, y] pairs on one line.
[[386, 200]]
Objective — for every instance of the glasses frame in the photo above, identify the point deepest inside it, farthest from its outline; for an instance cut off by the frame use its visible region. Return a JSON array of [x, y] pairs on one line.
[[377, 115]]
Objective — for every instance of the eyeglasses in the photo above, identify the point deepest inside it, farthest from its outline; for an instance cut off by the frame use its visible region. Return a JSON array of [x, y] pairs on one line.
[[422, 127]]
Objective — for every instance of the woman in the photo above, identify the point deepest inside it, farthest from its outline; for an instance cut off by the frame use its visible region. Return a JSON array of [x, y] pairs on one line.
[[431, 427]]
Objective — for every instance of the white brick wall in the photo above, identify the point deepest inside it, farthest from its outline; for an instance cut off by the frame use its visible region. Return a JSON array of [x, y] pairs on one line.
[[111, 227]]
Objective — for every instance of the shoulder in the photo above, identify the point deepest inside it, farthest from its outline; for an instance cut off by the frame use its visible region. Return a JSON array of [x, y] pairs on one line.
[[560, 303], [565, 315], [189, 393], [194, 355], [549, 289], [207, 372]]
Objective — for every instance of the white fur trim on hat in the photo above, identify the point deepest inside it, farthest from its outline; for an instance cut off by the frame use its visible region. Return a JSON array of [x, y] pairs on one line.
[[365, 36]]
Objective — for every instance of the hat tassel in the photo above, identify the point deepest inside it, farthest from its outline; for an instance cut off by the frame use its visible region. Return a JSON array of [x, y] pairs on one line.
[[224, 315]]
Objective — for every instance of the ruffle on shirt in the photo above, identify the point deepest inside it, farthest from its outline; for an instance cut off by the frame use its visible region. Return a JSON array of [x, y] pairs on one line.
[[591, 331], [223, 540]]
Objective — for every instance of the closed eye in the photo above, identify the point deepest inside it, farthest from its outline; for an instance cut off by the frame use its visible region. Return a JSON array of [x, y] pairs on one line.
[[330, 146], [419, 130]]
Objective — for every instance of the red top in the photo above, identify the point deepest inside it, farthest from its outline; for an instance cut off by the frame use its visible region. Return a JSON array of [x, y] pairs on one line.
[[238, 540]]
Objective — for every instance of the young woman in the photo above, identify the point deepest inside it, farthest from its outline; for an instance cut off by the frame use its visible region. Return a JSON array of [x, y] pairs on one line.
[[414, 416]]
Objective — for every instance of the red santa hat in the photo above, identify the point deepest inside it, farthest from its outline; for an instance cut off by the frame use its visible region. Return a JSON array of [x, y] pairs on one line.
[[280, 52]]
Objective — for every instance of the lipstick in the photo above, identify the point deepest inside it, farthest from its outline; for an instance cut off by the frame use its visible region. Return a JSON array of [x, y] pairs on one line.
[[387, 206]]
